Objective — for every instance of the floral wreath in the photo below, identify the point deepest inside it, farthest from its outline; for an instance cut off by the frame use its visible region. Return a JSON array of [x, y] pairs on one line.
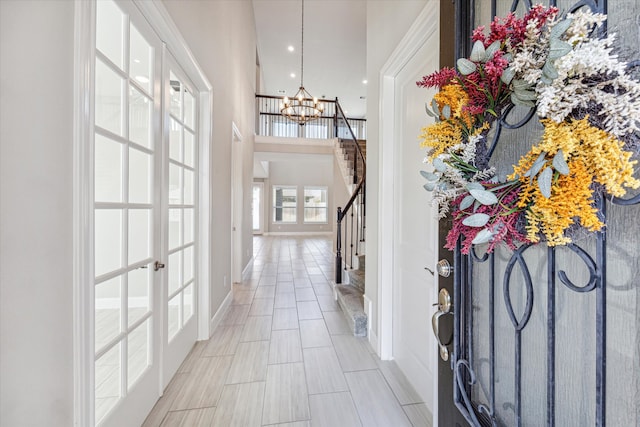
[[590, 109]]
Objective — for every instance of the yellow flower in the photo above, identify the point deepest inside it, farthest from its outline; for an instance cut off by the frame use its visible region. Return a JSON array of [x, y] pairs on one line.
[[456, 98], [448, 132], [603, 154], [571, 201], [440, 136]]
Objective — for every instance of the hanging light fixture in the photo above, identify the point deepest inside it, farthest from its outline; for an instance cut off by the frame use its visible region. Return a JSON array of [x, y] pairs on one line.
[[302, 107]]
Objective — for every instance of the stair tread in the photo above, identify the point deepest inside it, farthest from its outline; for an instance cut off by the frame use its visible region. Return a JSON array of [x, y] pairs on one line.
[[351, 301]]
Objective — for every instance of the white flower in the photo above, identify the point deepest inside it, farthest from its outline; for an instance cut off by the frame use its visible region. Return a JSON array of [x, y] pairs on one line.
[[592, 73]]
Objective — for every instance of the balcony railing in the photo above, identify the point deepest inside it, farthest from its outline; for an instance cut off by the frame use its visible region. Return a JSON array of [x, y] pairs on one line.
[[350, 221], [269, 122]]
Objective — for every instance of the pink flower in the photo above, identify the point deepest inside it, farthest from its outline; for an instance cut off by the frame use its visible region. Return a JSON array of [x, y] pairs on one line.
[[438, 79], [495, 66], [478, 34]]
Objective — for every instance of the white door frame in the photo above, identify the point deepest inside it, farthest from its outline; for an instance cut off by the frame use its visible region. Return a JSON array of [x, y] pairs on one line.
[[260, 208], [237, 150], [420, 31], [418, 34], [83, 295]]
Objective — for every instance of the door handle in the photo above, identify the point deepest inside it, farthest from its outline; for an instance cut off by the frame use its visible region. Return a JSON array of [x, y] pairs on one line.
[[157, 266], [443, 268], [444, 307]]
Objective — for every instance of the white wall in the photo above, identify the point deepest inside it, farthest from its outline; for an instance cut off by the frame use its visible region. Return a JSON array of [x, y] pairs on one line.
[[36, 164], [387, 23], [36, 142], [221, 35], [301, 173]]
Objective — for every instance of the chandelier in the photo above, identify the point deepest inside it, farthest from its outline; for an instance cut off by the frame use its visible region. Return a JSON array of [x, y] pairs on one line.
[[302, 107]]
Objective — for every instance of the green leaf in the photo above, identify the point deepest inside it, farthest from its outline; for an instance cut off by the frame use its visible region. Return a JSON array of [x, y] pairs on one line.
[[434, 105], [549, 70], [521, 84], [429, 186], [560, 28], [544, 182], [476, 220], [560, 164], [558, 49], [537, 165], [525, 95], [485, 197], [478, 53], [466, 202], [465, 66], [439, 164], [474, 186], [492, 49], [518, 101], [446, 112], [507, 75], [428, 110], [483, 236], [429, 176], [546, 80]]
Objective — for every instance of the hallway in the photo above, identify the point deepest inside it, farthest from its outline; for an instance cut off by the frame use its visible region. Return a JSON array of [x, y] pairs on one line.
[[283, 355]]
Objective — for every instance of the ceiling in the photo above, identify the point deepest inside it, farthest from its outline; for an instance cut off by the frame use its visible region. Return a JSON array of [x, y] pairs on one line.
[[334, 49]]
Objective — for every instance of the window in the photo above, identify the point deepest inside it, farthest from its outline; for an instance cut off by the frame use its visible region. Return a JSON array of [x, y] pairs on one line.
[[285, 203], [315, 205]]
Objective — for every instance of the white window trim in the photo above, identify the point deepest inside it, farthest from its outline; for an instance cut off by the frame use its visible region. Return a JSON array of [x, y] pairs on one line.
[[304, 206], [273, 217], [83, 295]]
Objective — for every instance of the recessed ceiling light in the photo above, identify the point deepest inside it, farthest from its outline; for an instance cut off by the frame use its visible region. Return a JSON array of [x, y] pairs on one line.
[[365, 81], [293, 75], [290, 48]]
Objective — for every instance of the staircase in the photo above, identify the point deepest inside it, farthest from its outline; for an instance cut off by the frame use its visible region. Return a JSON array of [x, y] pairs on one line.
[[351, 225], [351, 301], [351, 230]]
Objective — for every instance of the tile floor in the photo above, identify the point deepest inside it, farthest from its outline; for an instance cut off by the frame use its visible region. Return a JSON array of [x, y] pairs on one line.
[[283, 356]]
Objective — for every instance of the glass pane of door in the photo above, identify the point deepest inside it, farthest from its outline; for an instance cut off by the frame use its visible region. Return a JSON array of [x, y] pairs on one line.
[[181, 143], [124, 211]]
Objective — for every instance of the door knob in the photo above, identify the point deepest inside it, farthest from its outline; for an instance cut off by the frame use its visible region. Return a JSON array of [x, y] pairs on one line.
[[444, 268], [444, 307]]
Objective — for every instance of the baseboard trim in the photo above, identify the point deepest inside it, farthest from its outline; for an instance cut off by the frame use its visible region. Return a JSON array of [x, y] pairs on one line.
[[299, 233], [222, 310], [373, 341], [368, 310], [247, 267]]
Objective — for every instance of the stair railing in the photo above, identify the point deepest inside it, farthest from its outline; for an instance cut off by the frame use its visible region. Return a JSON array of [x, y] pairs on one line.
[[353, 228], [332, 124], [270, 122]]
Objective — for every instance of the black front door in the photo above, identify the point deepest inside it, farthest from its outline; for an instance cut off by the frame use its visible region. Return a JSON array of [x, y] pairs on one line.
[[546, 336]]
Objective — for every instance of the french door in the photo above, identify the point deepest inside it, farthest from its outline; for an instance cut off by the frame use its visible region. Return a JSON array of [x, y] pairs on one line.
[[145, 152], [180, 206], [548, 336]]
